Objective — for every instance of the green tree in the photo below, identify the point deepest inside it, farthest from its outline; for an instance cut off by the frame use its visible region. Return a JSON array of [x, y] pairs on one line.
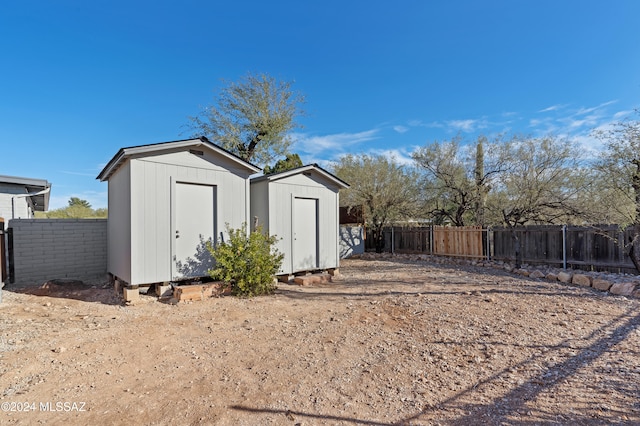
[[542, 185], [618, 177], [290, 162], [77, 208], [75, 201], [252, 118], [456, 178], [386, 190]]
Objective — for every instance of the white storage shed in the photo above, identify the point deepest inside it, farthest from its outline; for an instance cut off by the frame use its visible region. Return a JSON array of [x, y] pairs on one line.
[[166, 201], [300, 206]]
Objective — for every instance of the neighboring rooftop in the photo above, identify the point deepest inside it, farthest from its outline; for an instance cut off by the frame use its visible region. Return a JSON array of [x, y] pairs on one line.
[[37, 187]]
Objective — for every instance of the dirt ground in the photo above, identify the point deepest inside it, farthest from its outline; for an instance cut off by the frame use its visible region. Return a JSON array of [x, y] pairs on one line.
[[392, 342]]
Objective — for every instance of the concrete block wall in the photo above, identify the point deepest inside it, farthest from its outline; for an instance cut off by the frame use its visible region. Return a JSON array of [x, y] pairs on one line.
[[45, 249]]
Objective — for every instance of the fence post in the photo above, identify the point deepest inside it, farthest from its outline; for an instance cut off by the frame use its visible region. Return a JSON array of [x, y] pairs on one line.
[[488, 244], [393, 243], [564, 247], [431, 240]]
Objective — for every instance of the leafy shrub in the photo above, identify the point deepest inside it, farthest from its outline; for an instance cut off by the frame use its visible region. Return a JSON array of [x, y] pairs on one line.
[[248, 262]]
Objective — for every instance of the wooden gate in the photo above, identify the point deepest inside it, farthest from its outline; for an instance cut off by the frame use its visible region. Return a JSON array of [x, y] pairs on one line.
[[458, 241]]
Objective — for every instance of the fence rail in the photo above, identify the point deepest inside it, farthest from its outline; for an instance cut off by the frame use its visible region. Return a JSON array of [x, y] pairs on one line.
[[599, 248]]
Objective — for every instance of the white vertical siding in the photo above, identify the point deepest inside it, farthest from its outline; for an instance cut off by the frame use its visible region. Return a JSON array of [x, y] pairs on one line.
[[280, 195], [152, 228], [21, 206], [119, 224], [260, 204]]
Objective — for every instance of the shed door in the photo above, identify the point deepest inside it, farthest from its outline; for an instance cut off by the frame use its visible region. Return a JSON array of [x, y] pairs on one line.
[[195, 219], [305, 234]]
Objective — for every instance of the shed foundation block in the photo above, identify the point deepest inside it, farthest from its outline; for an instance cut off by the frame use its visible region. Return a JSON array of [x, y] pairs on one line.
[[164, 290], [131, 294]]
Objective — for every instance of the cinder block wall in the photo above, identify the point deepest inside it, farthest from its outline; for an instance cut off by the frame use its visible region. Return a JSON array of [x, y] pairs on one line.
[[45, 249]]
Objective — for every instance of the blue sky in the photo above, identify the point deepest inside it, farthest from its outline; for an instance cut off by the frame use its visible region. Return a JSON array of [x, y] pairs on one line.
[[81, 79]]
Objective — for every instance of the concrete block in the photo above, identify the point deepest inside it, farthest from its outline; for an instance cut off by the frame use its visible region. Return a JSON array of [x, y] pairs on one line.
[[164, 290], [131, 294]]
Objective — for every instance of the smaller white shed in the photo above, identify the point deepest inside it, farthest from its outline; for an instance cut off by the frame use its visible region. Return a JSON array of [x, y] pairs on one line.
[[301, 207], [166, 201]]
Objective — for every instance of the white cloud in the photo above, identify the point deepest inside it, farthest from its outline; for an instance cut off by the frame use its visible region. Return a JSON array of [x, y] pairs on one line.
[[337, 142], [621, 115], [553, 108], [401, 129], [583, 111], [468, 125], [401, 156], [420, 123]]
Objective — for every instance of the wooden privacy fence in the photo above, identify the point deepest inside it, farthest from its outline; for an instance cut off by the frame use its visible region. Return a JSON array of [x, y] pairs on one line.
[[601, 247], [578, 247], [465, 241]]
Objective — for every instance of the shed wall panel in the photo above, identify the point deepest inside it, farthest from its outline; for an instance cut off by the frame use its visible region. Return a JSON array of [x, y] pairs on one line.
[[207, 160], [151, 208], [119, 224], [281, 194], [260, 205]]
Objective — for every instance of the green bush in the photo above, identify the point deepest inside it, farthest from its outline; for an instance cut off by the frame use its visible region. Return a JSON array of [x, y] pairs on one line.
[[248, 262]]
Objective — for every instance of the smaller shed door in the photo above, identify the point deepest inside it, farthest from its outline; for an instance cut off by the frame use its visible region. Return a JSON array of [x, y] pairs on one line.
[[195, 218], [305, 234]]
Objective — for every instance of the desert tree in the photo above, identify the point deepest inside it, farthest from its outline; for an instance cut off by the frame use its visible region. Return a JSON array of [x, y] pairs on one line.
[[456, 178], [77, 208], [75, 201], [618, 176], [541, 185], [253, 118], [386, 190], [291, 161]]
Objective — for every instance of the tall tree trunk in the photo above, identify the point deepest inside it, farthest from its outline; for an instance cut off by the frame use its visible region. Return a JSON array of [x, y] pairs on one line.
[[378, 238], [516, 248], [481, 190], [634, 250]]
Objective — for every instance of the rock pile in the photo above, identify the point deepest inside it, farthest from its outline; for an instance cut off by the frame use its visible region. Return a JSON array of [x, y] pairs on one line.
[[618, 284]]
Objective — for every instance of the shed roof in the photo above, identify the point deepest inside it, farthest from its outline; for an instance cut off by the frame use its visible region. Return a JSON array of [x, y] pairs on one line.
[[310, 168], [36, 187], [125, 153]]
